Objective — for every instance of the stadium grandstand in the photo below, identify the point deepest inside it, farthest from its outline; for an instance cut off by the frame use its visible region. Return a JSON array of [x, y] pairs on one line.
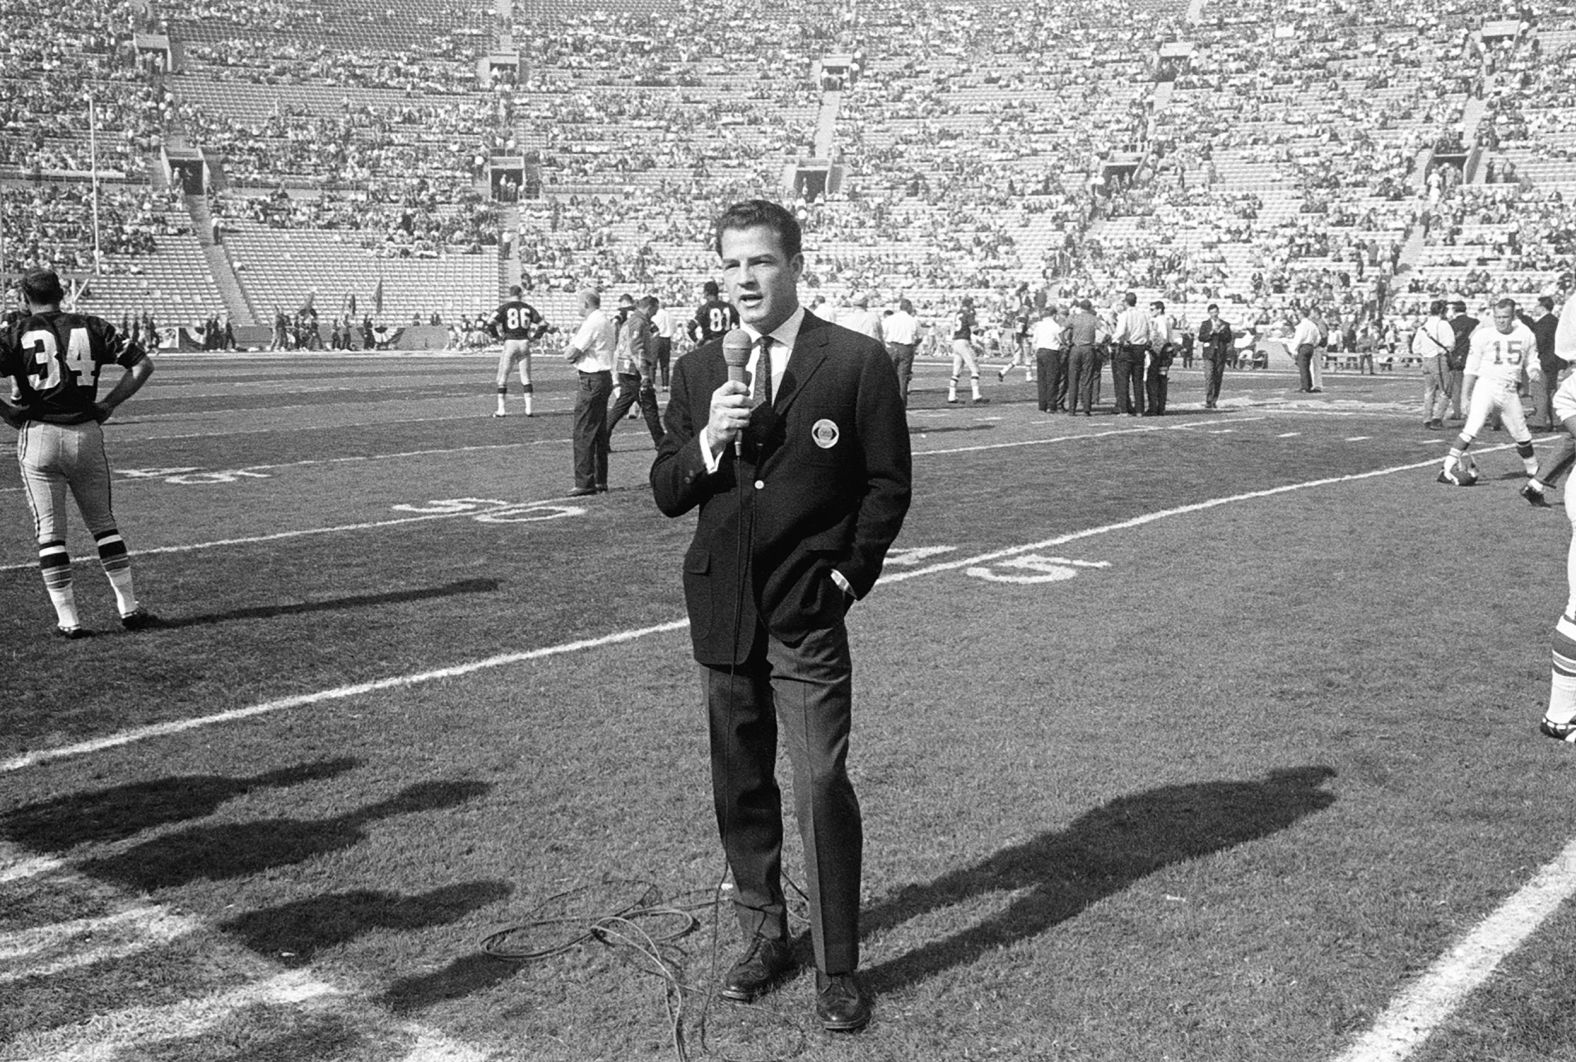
[[248, 158]]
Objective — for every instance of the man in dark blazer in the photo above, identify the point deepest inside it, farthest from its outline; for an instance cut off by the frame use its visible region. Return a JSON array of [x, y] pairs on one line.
[[802, 478]]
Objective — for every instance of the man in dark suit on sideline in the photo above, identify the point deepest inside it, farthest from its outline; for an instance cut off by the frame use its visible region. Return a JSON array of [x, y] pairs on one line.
[[795, 522]]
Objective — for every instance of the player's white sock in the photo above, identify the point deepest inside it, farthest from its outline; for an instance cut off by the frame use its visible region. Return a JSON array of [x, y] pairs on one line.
[[974, 385], [503, 392], [117, 567], [528, 400], [55, 565], [1533, 484], [952, 389], [1562, 677]]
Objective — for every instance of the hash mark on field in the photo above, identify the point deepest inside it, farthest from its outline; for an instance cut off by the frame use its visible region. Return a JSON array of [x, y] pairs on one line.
[[1414, 1015], [1359, 438], [1288, 435]]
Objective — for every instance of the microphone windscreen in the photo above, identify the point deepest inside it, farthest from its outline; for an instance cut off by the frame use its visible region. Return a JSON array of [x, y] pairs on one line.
[[736, 353]]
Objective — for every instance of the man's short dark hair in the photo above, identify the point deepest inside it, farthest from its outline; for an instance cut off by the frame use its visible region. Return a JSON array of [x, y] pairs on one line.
[[1547, 302], [710, 289], [1212, 307], [1130, 299], [1437, 307], [514, 289], [647, 304], [1506, 303], [41, 287], [1157, 305], [1458, 307], [761, 213], [906, 306]]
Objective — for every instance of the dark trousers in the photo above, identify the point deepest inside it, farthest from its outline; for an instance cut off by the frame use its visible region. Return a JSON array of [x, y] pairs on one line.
[[664, 355], [902, 355], [632, 389], [1157, 383], [1214, 372], [590, 429], [1050, 375], [802, 693], [1082, 368], [1127, 374], [1305, 366]]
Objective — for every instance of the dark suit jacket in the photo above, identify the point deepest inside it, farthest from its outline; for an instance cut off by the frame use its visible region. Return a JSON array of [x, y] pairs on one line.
[[826, 487]]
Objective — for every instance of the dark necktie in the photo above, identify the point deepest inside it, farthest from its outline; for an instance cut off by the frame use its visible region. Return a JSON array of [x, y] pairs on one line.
[[763, 372]]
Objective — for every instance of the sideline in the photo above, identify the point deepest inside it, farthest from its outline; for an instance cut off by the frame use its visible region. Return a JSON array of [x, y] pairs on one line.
[[145, 733]]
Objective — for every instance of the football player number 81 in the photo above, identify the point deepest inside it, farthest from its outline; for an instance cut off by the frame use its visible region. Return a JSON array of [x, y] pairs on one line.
[[46, 356]]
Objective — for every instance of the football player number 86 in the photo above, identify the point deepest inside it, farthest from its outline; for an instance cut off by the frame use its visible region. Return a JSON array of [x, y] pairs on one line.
[[46, 356]]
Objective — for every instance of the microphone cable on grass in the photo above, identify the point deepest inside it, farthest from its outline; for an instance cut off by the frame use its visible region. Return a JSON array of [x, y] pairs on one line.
[[637, 921]]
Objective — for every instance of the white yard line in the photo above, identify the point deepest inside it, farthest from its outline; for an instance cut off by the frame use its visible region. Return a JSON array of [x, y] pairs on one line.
[[143, 733], [129, 929], [1417, 1012], [103, 1037]]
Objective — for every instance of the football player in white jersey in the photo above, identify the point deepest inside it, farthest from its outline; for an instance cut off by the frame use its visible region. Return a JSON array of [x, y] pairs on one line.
[[1502, 355], [1559, 721]]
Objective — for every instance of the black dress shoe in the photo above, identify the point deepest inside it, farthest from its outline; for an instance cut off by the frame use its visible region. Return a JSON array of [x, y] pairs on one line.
[[761, 966], [840, 1004]]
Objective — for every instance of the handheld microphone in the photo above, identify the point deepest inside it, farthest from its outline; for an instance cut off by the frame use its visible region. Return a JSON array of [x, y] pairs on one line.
[[736, 353]]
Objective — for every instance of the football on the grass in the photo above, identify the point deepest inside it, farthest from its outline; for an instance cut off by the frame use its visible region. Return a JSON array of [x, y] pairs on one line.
[[1462, 472]]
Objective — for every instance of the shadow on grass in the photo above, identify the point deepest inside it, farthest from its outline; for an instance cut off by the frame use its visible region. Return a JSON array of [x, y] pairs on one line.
[[463, 586], [121, 811], [241, 849], [918, 429], [465, 975], [1104, 852], [293, 933]]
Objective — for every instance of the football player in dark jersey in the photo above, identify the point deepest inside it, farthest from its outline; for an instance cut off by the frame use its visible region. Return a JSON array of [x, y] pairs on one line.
[[517, 323], [964, 354], [54, 359], [713, 317]]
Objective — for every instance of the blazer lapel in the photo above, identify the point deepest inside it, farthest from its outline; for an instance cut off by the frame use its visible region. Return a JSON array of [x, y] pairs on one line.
[[809, 351]]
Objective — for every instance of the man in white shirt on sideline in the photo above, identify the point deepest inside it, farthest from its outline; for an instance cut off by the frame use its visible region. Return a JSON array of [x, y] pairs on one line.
[[901, 329], [1431, 344], [1050, 354], [1305, 343], [663, 322], [591, 353], [1131, 340]]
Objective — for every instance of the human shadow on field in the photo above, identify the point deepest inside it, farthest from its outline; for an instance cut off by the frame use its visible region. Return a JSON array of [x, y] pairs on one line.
[[242, 849], [293, 933], [462, 586], [1102, 853], [467, 974], [120, 811]]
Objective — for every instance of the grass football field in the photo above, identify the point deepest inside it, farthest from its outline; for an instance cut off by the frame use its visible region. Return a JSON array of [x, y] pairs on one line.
[[1207, 737]]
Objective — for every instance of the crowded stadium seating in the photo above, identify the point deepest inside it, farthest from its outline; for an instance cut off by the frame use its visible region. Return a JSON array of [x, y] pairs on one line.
[[1255, 153]]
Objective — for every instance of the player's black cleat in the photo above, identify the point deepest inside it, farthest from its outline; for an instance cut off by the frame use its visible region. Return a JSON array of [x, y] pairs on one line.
[[1565, 732], [72, 633], [141, 620], [1534, 497]]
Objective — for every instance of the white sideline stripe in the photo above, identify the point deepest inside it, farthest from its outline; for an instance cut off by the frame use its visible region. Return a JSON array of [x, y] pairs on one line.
[[128, 737], [156, 927], [143, 733], [299, 533], [36, 867], [102, 1037], [1149, 518], [1145, 430], [23, 942], [430, 1048], [1414, 1015]]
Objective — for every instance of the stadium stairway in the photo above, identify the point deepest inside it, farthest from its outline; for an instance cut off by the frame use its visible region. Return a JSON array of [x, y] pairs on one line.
[[826, 124], [235, 304]]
